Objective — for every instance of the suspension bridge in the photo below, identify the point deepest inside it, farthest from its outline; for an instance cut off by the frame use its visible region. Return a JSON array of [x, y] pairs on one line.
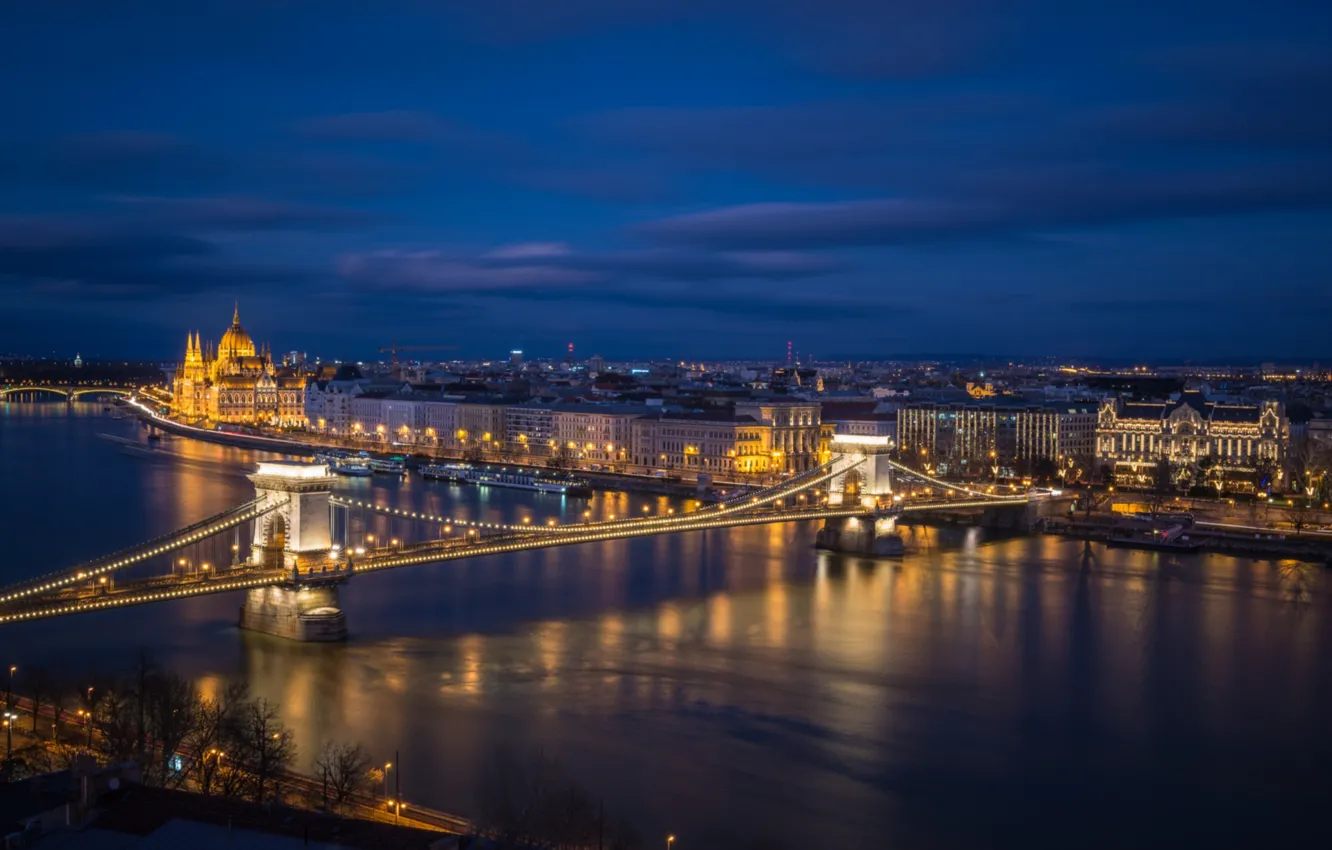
[[304, 546]]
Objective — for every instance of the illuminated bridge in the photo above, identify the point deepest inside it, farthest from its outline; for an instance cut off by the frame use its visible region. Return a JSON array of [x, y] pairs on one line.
[[301, 547], [69, 391]]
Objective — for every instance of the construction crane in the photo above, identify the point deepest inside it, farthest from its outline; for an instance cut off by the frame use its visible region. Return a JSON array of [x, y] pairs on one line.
[[395, 348]]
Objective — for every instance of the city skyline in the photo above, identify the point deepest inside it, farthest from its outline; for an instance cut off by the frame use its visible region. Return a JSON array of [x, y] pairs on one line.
[[672, 179]]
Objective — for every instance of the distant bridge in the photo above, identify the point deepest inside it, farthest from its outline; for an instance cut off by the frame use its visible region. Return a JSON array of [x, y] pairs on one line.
[[302, 550], [69, 391]]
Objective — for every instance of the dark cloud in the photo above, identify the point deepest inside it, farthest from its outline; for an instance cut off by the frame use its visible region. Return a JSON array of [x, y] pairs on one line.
[[536, 265], [114, 161], [63, 259], [1004, 203], [752, 306], [721, 283], [245, 214]]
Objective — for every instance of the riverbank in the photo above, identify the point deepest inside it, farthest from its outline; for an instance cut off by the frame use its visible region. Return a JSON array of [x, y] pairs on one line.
[[309, 445], [1228, 539]]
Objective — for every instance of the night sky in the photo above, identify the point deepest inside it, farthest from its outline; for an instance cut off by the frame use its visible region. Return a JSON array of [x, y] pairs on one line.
[[669, 177]]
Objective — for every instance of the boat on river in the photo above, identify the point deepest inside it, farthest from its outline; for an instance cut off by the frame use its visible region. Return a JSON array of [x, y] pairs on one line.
[[445, 472], [518, 480], [353, 467], [1172, 539], [392, 465]]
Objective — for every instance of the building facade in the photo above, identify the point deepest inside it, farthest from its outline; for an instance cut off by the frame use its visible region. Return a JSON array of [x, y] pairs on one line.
[[596, 432], [795, 431], [974, 438], [719, 443], [236, 384], [1223, 444]]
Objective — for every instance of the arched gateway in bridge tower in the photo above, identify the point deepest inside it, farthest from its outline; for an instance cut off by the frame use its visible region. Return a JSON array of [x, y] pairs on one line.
[[865, 471], [296, 536], [864, 476]]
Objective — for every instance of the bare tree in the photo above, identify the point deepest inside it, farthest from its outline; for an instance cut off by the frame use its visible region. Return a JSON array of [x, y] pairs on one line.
[[61, 700], [1264, 474], [39, 688], [263, 747], [344, 769], [116, 718], [213, 719], [172, 712], [1163, 483]]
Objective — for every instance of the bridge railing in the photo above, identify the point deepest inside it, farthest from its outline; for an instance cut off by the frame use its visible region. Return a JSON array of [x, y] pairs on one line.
[[956, 488], [160, 545]]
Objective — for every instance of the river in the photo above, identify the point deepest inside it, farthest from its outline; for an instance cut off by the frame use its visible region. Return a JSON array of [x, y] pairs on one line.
[[736, 684]]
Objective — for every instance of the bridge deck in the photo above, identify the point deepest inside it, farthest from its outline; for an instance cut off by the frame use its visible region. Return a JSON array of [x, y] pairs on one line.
[[85, 598]]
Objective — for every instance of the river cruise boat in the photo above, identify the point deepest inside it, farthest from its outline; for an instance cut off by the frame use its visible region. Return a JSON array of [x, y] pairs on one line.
[[351, 466], [446, 472], [1171, 539], [487, 477], [393, 465]]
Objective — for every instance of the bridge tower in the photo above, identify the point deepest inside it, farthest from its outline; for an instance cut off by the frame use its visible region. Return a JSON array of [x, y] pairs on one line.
[[295, 536], [864, 477], [871, 480]]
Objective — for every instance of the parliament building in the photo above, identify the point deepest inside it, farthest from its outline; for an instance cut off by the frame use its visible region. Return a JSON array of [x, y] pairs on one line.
[[233, 383]]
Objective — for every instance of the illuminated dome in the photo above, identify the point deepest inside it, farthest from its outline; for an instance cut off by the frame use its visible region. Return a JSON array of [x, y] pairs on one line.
[[235, 341]]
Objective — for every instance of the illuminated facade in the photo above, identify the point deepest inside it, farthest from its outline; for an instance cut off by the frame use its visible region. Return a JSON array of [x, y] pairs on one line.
[[235, 383], [795, 428], [718, 443], [973, 438], [1227, 442]]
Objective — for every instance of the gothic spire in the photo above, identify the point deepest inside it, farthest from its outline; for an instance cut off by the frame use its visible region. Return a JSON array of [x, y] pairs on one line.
[[235, 317]]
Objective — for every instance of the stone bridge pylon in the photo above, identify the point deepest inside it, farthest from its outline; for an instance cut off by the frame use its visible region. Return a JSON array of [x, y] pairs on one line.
[[296, 537], [864, 477]]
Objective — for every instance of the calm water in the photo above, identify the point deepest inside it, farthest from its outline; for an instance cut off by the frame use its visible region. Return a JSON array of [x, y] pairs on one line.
[[737, 684]]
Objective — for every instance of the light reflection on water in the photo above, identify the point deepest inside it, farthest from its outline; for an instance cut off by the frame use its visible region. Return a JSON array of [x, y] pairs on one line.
[[737, 682]]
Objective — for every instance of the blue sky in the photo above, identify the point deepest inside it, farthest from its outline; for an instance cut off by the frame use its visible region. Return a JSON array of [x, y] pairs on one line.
[[682, 178]]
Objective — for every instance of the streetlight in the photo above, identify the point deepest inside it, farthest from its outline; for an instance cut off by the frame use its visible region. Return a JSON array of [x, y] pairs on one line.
[[10, 718], [9, 692], [388, 765], [670, 839]]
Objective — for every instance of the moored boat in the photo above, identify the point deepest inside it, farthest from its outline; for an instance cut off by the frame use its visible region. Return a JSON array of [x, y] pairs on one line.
[[350, 466], [487, 477], [446, 472], [394, 465]]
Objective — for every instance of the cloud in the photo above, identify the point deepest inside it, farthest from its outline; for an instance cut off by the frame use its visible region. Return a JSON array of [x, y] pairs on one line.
[[720, 283], [543, 264], [529, 250], [90, 259], [435, 271], [1004, 203], [238, 213]]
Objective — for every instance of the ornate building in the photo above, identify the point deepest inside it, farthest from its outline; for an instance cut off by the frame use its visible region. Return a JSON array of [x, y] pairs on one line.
[[236, 384], [1215, 443]]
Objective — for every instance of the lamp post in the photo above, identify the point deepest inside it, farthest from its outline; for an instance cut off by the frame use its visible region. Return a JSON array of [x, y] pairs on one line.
[[388, 765], [9, 691], [670, 839], [10, 717]]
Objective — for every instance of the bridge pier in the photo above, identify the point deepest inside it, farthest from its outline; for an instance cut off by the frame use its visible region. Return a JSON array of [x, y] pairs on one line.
[[303, 612], [868, 534], [296, 536]]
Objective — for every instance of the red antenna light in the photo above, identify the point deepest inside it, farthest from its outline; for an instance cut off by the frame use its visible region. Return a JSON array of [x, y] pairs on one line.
[[788, 352]]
